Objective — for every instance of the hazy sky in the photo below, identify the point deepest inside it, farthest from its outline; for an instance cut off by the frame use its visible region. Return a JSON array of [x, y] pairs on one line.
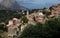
[[38, 3], [31, 4]]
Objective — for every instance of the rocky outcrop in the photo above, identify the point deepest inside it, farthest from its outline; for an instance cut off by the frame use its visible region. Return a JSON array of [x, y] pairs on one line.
[[11, 5]]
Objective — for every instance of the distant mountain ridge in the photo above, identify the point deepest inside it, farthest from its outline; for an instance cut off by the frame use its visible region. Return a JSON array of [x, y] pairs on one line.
[[11, 5]]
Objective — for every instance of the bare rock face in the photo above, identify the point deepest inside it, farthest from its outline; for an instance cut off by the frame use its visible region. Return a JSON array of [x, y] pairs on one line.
[[2, 7], [11, 5]]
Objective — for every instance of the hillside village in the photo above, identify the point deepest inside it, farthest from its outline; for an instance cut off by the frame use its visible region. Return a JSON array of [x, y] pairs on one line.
[[24, 18]]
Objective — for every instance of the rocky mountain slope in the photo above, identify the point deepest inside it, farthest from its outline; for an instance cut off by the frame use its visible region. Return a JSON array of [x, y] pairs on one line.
[[11, 5]]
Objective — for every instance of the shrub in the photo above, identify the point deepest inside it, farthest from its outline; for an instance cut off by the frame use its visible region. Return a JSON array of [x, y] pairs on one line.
[[25, 20], [33, 32], [49, 30], [1, 27], [54, 27], [53, 23]]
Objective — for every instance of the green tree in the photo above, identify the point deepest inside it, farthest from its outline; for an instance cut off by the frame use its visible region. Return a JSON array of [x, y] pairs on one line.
[[25, 20], [49, 30], [54, 27]]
